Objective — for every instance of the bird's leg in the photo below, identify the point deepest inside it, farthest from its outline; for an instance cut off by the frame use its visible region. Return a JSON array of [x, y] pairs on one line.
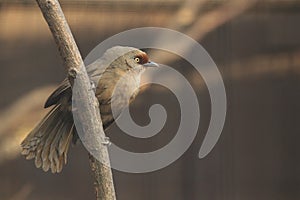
[[106, 141], [93, 86]]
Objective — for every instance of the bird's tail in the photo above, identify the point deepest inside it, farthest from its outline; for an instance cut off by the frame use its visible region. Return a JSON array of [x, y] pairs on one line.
[[49, 141]]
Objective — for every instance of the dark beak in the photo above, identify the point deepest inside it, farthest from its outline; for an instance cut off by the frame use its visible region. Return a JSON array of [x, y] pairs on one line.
[[150, 64]]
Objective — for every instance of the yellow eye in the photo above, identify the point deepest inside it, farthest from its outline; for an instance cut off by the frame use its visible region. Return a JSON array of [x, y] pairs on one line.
[[137, 60]]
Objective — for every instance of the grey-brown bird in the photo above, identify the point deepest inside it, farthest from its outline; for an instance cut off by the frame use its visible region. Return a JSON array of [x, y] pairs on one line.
[[49, 141]]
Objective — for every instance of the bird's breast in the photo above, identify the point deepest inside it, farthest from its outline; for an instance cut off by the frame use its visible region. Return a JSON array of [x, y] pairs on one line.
[[114, 93]]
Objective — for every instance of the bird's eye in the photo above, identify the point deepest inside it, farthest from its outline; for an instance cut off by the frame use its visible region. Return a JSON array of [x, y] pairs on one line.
[[137, 59]]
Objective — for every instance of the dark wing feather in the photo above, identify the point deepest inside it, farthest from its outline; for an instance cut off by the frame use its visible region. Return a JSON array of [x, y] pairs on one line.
[[94, 71], [62, 89]]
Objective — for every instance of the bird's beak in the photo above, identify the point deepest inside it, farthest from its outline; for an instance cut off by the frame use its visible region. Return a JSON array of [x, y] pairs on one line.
[[150, 64]]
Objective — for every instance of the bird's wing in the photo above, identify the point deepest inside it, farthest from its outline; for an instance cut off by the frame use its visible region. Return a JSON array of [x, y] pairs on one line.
[[62, 89], [94, 71]]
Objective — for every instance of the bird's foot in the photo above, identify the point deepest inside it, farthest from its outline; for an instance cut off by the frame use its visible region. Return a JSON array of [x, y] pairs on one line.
[[106, 141], [93, 86]]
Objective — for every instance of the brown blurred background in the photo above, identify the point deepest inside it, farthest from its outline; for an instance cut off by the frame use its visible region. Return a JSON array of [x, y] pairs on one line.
[[255, 44]]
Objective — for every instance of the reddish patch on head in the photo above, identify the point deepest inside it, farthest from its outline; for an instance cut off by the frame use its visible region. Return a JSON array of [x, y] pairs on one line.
[[143, 58]]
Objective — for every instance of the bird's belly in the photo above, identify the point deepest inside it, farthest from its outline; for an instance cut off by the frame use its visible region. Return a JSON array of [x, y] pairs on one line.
[[114, 99]]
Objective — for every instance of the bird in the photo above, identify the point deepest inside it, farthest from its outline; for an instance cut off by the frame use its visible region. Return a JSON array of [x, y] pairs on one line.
[[48, 142]]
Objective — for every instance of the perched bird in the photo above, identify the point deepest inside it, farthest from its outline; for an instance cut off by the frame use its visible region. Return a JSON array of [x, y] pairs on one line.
[[49, 141]]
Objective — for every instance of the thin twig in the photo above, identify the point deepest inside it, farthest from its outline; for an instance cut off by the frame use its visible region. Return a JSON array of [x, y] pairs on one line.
[[89, 118]]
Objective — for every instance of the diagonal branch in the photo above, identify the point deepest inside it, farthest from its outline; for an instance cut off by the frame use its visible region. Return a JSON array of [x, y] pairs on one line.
[[89, 117]]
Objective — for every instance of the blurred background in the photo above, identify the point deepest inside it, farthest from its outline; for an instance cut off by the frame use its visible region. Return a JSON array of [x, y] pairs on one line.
[[256, 46]]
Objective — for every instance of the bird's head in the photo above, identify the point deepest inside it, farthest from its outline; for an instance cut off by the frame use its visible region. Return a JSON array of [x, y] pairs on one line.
[[138, 59], [129, 58]]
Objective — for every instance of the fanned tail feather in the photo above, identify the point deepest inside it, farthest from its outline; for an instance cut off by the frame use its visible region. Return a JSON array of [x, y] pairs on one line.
[[49, 141]]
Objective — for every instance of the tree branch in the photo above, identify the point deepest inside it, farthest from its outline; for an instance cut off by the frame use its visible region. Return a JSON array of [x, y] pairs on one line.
[[89, 116]]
